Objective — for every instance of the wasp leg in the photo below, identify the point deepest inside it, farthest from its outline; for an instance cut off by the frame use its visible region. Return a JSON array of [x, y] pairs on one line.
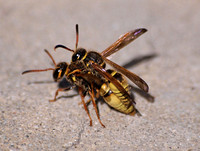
[[97, 93], [84, 104], [56, 93], [95, 106], [88, 101]]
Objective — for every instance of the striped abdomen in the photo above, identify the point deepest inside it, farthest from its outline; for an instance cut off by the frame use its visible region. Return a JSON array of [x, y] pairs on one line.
[[114, 97]]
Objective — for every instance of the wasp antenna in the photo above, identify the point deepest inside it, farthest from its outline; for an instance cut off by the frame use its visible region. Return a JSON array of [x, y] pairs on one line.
[[39, 70], [77, 36], [62, 46], [50, 57]]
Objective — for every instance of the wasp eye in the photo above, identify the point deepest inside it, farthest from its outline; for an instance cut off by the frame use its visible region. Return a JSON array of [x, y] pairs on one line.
[[59, 71], [79, 54]]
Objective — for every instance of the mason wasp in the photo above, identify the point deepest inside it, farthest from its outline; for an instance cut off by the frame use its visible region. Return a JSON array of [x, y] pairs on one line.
[[87, 71]]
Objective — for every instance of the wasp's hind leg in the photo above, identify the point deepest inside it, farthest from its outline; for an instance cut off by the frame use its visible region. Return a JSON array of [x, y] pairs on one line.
[[92, 95], [84, 104]]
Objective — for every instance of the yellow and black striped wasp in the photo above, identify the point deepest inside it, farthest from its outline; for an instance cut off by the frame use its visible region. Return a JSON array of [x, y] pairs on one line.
[[87, 71]]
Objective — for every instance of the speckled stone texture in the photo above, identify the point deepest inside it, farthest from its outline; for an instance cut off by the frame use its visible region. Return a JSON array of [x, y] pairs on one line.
[[167, 57]]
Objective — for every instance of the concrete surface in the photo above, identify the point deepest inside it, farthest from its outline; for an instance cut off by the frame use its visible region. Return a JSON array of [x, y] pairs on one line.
[[29, 122]]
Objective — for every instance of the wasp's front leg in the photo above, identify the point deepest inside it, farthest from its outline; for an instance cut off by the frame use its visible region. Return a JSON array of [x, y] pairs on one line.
[[56, 93]]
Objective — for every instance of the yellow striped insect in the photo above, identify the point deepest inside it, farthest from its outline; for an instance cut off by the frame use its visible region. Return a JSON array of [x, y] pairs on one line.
[[87, 71]]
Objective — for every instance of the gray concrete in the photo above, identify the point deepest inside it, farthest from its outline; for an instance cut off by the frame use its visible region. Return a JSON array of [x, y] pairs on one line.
[[29, 122]]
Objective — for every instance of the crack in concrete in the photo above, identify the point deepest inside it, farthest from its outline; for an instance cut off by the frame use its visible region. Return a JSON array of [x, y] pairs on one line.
[[78, 140]]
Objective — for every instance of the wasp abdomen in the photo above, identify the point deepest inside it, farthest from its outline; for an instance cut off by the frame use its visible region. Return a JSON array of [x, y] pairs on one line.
[[114, 97]]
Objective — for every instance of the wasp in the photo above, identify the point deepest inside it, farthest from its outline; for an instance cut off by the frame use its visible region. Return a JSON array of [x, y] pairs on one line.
[[87, 71]]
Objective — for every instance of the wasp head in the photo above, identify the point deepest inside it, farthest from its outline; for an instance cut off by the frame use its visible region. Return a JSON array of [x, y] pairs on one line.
[[79, 54], [60, 70]]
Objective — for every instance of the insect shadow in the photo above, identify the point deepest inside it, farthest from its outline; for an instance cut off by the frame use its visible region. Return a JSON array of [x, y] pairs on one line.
[[41, 82], [137, 61], [62, 84]]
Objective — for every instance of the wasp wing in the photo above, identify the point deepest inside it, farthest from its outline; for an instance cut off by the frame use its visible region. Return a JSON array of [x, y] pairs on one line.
[[110, 78], [133, 77], [123, 41]]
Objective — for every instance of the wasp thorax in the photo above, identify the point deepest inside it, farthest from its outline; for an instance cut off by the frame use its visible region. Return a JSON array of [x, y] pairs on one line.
[[95, 57], [60, 70], [79, 54]]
